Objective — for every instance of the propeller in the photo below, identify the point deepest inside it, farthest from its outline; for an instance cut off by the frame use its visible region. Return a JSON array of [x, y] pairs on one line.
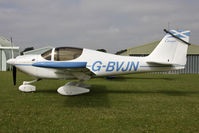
[[13, 68], [10, 61], [14, 74]]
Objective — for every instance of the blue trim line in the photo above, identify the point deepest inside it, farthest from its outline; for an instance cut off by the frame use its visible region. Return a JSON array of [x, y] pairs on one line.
[[60, 64], [23, 64], [155, 66], [165, 66], [179, 65]]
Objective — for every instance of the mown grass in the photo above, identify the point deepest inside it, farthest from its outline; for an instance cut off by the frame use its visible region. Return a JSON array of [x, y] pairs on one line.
[[139, 103]]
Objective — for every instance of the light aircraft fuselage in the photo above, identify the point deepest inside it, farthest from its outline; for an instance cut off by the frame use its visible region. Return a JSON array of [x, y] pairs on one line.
[[83, 64]]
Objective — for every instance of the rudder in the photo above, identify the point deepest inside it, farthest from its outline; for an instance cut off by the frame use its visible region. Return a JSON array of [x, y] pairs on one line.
[[172, 49]]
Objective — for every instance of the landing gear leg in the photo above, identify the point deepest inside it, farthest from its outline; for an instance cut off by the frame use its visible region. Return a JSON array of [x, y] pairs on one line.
[[26, 87]]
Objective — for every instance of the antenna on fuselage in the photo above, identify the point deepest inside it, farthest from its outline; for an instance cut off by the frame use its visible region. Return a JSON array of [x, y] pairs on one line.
[[168, 26]]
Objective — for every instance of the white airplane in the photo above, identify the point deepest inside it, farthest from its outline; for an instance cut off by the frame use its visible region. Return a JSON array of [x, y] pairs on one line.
[[83, 64]]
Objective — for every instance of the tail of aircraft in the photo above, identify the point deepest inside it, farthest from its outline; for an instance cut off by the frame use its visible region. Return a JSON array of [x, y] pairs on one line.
[[172, 49]]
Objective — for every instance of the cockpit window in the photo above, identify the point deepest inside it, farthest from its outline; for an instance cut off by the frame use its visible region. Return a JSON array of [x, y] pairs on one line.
[[47, 55], [67, 53]]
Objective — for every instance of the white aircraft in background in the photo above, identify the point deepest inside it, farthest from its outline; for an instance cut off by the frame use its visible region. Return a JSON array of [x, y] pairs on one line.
[[83, 64]]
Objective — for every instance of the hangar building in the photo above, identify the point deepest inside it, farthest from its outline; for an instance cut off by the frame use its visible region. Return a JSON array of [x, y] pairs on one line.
[[192, 66], [6, 53]]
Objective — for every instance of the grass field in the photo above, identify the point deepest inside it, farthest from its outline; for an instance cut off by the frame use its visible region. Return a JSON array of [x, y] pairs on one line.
[[140, 103]]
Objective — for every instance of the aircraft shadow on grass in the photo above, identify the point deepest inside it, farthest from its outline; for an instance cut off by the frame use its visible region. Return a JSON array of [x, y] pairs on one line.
[[121, 78], [167, 92], [98, 97]]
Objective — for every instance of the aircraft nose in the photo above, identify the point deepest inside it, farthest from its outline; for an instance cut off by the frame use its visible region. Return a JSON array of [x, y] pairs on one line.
[[11, 61]]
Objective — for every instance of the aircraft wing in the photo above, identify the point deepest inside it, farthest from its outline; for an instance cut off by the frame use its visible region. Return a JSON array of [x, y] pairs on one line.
[[77, 69]]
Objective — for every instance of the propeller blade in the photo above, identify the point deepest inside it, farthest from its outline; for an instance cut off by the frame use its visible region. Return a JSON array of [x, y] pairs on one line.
[[14, 72]]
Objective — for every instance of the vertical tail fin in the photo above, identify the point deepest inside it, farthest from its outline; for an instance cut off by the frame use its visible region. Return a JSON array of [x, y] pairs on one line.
[[172, 49]]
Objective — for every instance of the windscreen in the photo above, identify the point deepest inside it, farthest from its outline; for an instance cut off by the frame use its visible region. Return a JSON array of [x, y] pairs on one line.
[[67, 53], [47, 55]]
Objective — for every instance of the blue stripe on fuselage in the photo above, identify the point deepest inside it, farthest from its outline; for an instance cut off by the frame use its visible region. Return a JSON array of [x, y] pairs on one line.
[[60, 64]]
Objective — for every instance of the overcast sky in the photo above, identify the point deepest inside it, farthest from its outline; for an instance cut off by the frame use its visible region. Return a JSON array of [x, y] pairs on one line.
[[108, 24]]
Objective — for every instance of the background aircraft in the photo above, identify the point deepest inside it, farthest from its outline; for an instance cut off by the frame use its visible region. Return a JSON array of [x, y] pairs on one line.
[[83, 64]]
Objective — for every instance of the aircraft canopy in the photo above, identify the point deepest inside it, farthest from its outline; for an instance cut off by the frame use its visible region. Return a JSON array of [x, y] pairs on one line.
[[62, 53]]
